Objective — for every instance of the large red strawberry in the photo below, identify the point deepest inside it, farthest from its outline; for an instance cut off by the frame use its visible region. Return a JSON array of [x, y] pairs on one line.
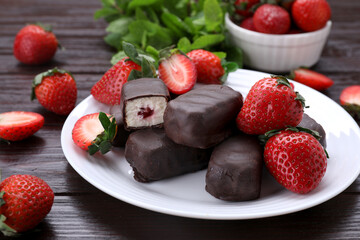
[[35, 44], [94, 132], [243, 7], [296, 159], [248, 23], [350, 100], [270, 104], [25, 201], [178, 72], [55, 90], [17, 125], [208, 66], [310, 15], [108, 89], [272, 19], [311, 78]]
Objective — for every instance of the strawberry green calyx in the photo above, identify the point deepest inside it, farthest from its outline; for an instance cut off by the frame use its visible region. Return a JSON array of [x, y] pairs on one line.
[[46, 27], [38, 78], [4, 228], [284, 81], [228, 68], [103, 141], [148, 68]]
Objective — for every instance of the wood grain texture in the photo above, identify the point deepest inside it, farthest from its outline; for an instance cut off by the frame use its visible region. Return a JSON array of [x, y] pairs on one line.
[[80, 210]]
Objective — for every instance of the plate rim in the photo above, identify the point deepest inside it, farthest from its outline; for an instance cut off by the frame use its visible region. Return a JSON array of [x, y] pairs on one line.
[[210, 216]]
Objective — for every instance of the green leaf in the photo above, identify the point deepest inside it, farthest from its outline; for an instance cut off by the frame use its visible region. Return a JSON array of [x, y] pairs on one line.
[[184, 45], [220, 55], [140, 15], [114, 40], [117, 57], [234, 54], [154, 53], [214, 16], [207, 41], [104, 12], [131, 52], [134, 74], [92, 149], [108, 3], [177, 7], [119, 26], [141, 3]]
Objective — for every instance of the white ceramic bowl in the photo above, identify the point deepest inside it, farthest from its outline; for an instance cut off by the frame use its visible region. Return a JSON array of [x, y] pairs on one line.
[[278, 53]]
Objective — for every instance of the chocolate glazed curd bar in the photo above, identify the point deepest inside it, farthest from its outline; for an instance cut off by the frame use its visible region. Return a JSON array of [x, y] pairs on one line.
[[235, 169], [143, 102], [202, 117], [153, 156]]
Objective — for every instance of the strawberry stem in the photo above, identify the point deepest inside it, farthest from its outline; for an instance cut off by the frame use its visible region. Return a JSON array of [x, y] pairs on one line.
[[4, 228]]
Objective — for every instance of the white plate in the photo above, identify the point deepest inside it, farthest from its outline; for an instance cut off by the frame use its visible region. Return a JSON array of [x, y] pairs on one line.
[[186, 196]]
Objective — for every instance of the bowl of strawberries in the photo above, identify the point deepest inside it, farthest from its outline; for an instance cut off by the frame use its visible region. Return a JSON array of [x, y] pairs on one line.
[[281, 36]]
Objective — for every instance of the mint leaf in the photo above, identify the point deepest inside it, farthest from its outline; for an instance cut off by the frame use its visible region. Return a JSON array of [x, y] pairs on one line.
[[114, 40], [207, 41], [119, 26], [213, 15], [184, 45], [141, 3], [117, 57], [221, 55], [104, 12]]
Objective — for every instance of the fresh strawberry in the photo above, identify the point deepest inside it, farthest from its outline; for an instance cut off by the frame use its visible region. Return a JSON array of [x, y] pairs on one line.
[[25, 201], [94, 132], [16, 126], [296, 159], [311, 78], [178, 72], [272, 19], [243, 7], [208, 66], [270, 104], [108, 89], [350, 100], [55, 90], [310, 15], [35, 44], [248, 23]]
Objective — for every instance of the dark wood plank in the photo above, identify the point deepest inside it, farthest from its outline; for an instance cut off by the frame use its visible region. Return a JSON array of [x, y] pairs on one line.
[[80, 210]]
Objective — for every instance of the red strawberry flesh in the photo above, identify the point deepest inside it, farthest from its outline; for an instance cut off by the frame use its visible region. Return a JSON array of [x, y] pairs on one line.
[[178, 73], [17, 125]]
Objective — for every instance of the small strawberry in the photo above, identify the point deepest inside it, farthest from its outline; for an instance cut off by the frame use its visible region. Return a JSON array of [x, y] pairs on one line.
[[350, 100], [311, 78], [108, 89], [272, 19], [310, 15], [25, 201], [94, 132], [243, 7], [16, 126], [177, 71], [248, 23], [35, 44], [270, 104], [208, 66], [55, 90], [296, 159]]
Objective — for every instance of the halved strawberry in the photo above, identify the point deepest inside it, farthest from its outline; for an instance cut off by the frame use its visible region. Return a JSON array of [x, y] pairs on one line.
[[350, 100], [17, 125], [94, 132], [311, 78], [178, 73]]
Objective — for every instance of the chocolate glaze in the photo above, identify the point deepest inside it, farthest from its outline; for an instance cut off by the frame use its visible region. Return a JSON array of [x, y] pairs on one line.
[[153, 156], [121, 134], [202, 117], [142, 87], [310, 123], [235, 169]]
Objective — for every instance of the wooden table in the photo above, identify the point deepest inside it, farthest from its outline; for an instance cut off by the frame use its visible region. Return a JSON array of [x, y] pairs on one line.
[[81, 211]]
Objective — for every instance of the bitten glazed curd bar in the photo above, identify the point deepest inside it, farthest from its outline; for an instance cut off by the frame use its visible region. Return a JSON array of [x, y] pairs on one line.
[[143, 102]]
